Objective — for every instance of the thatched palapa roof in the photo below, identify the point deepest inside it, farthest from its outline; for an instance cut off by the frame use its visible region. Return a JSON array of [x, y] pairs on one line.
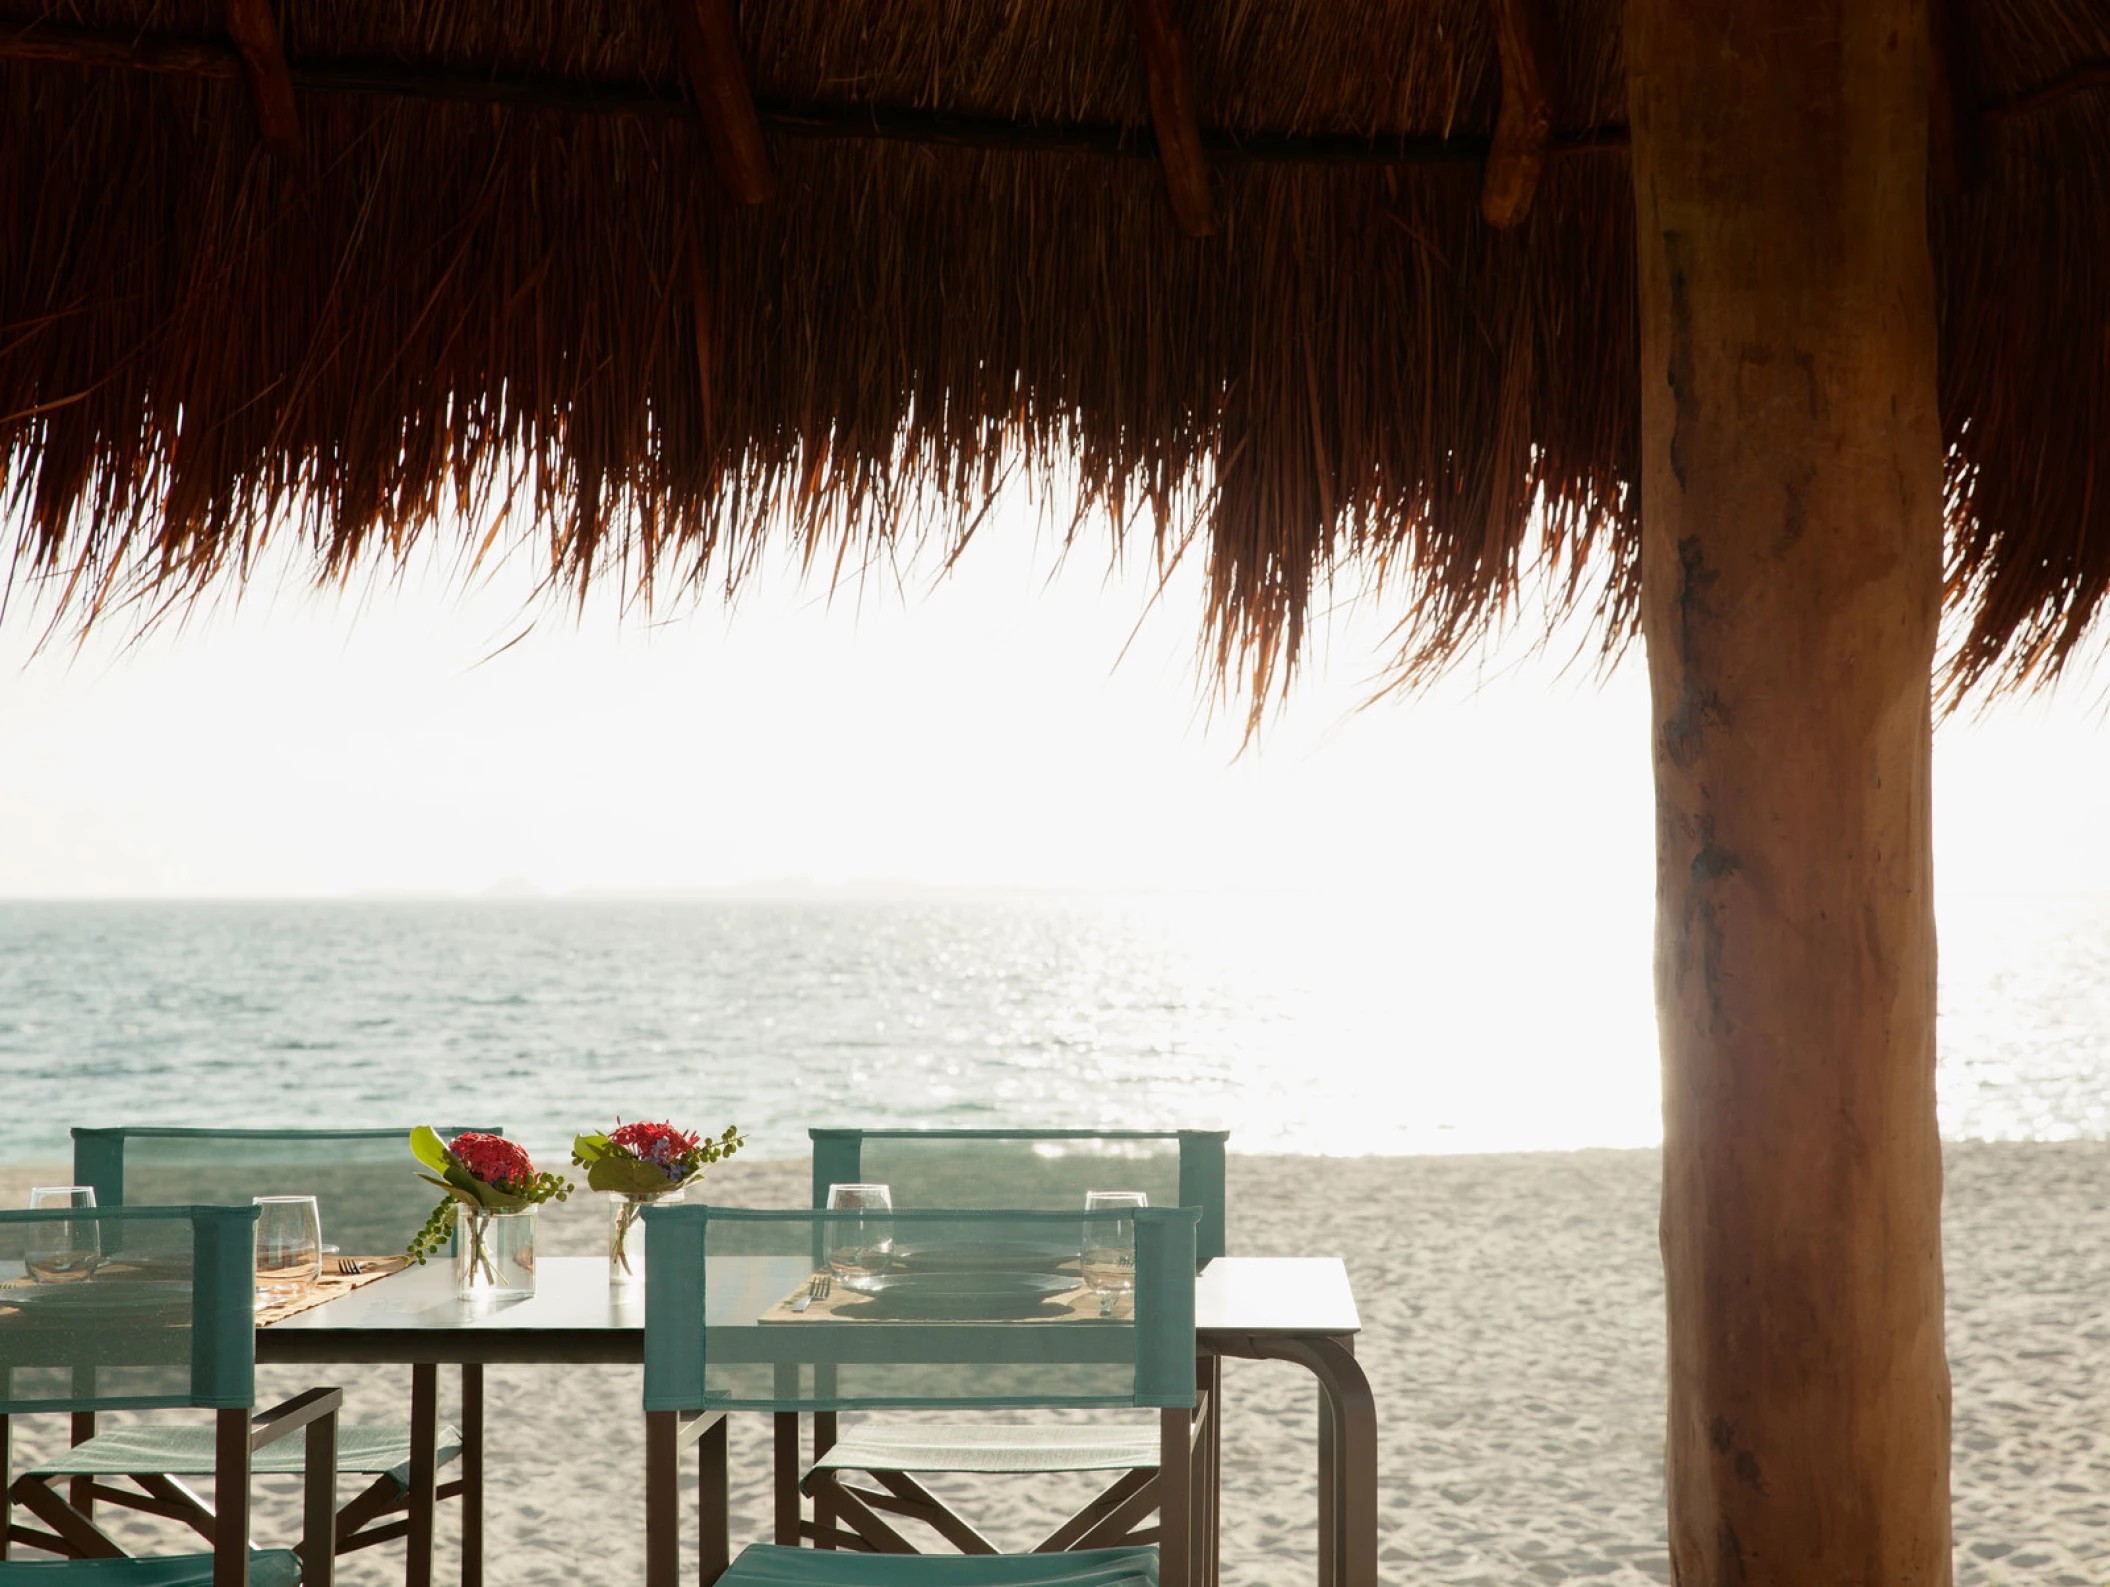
[[438, 254]]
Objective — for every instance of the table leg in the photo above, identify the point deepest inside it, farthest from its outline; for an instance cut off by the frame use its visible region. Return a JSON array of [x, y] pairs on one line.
[[472, 1474], [1214, 1488], [1348, 1452], [424, 1470], [1329, 1494]]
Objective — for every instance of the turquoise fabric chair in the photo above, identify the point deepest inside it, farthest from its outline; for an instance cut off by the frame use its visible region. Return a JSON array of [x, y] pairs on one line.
[[957, 1311], [1021, 1169], [1051, 1169], [372, 1201], [159, 1314]]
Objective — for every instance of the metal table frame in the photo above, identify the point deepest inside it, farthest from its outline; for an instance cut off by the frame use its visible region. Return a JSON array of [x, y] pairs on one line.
[[1297, 1309]]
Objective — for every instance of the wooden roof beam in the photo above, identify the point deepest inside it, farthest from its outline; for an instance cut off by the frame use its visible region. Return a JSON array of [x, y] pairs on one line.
[[1170, 68], [717, 73], [1525, 124], [255, 33]]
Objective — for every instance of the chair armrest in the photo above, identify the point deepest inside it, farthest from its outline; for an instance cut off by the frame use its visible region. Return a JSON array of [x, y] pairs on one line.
[[268, 1427]]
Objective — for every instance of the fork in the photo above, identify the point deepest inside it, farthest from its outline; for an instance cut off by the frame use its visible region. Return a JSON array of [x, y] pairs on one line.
[[350, 1268], [816, 1289]]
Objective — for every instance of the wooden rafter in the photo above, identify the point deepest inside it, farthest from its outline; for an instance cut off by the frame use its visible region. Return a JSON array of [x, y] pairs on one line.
[[1524, 126], [189, 55], [255, 33], [1170, 67], [717, 74]]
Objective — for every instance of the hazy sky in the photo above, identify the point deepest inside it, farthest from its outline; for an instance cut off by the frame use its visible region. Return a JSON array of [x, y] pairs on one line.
[[979, 732]]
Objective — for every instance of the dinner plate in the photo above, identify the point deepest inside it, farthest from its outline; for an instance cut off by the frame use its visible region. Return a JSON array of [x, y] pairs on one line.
[[983, 1256], [961, 1295], [136, 1301]]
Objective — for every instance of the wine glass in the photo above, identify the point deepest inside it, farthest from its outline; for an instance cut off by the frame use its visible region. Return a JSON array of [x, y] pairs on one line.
[[288, 1247], [1108, 1260], [66, 1250], [862, 1247]]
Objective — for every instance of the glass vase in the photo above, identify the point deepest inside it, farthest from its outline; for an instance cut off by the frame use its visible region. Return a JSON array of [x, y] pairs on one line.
[[626, 1236], [494, 1254]]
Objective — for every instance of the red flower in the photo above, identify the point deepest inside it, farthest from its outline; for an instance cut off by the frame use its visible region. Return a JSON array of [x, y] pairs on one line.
[[493, 1159], [660, 1144]]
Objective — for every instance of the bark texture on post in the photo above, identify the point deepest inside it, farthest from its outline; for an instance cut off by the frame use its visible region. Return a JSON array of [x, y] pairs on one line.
[[1791, 573]]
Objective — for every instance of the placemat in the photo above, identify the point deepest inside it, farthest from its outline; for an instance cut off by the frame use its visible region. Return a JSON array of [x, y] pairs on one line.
[[333, 1285], [844, 1305]]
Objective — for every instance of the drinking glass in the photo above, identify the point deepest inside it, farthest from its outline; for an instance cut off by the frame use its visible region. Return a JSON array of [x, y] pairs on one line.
[[63, 1251], [1108, 1260], [288, 1247], [860, 1248]]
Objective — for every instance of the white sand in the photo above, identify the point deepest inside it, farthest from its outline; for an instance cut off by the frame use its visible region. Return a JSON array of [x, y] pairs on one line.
[[1513, 1334]]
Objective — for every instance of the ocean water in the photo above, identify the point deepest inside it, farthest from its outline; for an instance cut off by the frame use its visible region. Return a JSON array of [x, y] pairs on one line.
[[1302, 1024]]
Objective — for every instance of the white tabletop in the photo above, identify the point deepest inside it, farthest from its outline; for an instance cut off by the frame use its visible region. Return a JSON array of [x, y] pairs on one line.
[[573, 1315]]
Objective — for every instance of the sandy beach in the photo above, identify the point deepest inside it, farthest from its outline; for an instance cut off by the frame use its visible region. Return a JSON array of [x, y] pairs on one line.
[[1513, 1335]]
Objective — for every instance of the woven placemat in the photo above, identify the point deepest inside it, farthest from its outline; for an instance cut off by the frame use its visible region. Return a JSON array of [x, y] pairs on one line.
[[333, 1285]]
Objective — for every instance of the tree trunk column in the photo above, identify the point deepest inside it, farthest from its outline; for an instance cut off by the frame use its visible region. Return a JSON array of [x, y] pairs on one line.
[[1791, 580]]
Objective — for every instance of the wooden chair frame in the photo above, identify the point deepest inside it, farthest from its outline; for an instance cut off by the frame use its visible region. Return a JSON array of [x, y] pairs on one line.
[[852, 1518], [237, 1436], [1181, 1491], [362, 1522]]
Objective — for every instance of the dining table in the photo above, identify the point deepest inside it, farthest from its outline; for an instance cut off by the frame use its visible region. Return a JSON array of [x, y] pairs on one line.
[[1296, 1309]]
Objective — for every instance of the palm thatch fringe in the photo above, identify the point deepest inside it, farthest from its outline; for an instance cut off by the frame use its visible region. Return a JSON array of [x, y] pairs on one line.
[[461, 294]]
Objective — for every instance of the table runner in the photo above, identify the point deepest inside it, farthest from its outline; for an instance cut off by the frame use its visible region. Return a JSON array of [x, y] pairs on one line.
[[333, 1285]]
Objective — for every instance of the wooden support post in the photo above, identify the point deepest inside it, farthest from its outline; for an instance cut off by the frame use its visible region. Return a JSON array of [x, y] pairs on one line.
[[1169, 65], [1525, 121], [1952, 100], [717, 73], [255, 33], [1791, 495]]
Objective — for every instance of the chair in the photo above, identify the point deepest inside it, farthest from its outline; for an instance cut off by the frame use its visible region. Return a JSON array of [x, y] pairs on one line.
[[982, 1312], [1026, 1169], [164, 1320], [1050, 1169], [372, 1202]]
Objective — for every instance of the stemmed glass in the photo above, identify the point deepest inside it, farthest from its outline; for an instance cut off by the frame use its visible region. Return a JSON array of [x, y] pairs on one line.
[[64, 1251], [288, 1247], [1108, 1260], [860, 1248]]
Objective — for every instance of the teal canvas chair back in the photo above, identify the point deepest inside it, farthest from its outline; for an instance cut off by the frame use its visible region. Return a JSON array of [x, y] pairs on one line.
[[156, 1310], [941, 1311], [365, 1182], [1046, 1169]]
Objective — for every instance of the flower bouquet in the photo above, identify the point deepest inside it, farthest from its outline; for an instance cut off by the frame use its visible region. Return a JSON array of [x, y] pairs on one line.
[[637, 1165], [492, 1193]]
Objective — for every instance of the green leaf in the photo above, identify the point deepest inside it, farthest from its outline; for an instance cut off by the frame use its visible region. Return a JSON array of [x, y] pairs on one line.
[[427, 1147], [626, 1176]]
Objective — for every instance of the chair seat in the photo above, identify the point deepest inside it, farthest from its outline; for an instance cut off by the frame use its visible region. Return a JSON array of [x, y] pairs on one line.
[[771, 1565], [268, 1567], [164, 1451], [993, 1449]]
